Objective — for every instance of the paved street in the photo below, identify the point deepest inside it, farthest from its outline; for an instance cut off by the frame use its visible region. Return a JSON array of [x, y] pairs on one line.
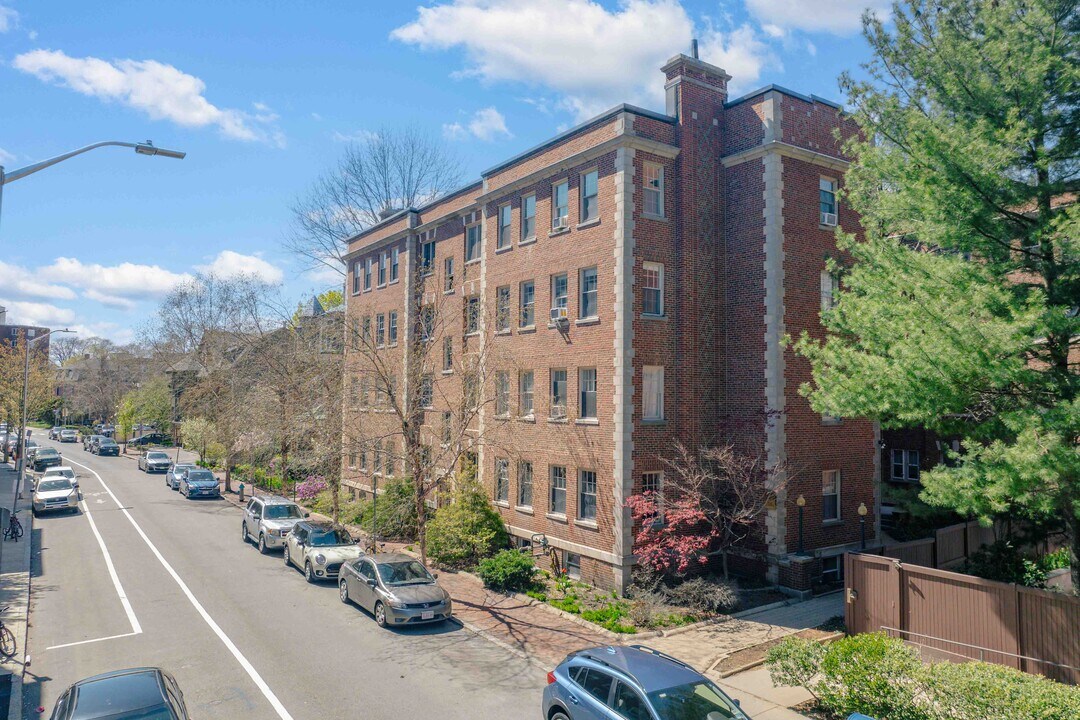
[[145, 577]]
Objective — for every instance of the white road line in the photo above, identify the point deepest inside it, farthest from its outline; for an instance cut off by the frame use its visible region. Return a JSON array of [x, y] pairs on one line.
[[87, 642], [248, 667], [135, 627]]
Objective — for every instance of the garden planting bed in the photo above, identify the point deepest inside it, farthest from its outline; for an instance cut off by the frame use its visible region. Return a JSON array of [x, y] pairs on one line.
[[753, 656]]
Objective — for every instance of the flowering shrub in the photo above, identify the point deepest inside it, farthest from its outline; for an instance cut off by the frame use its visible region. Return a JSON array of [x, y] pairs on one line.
[[310, 488], [671, 546]]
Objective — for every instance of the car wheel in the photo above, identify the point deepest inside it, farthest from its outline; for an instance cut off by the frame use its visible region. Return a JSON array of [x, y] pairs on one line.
[[309, 574], [243, 532], [559, 715], [343, 591], [380, 614], [262, 544], [285, 555]]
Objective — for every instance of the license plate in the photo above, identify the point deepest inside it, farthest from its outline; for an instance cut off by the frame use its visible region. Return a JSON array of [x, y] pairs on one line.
[[427, 615]]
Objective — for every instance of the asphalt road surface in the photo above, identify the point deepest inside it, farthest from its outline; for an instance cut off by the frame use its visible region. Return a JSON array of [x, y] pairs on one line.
[[143, 576]]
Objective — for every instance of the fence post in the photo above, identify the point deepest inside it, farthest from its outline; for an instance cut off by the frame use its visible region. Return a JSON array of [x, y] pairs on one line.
[[902, 594]]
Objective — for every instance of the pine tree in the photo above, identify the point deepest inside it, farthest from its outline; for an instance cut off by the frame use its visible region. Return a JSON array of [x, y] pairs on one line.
[[958, 311]]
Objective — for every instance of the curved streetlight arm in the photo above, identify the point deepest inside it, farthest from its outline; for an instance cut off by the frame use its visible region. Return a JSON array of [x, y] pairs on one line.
[[144, 148]]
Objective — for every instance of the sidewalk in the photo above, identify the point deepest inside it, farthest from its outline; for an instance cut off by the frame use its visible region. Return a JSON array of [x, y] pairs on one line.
[[15, 594]]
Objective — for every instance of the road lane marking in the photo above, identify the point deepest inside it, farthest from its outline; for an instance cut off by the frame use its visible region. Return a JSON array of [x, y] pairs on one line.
[[244, 663], [135, 627], [87, 642]]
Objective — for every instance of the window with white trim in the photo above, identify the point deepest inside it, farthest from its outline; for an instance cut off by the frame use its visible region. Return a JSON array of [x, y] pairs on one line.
[[502, 394], [560, 294], [528, 303], [557, 487], [505, 216], [502, 480], [448, 354], [472, 314], [525, 483], [363, 460], [367, 330], [587, 287], [383, 260], [827, 201], [832, 569], [560, 204], [392, 327], [590, 196], [448, 274], [502, 308], [356, 276], [586, 494], [558, 393], [528, 218], [587, 393], [572, 565], [447, 427], [652, 392], [652, 284], [394, 264], [830, 289], [427, 323], [830, 495], [427, 254], [380, 330], [472, 243], [525, 393], [652, 485], [905, 465], [367, 273], [653, 189], [427, 391]]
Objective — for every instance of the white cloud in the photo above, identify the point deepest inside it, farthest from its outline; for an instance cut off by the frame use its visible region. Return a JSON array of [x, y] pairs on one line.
[[486, 124], [593, 57], [839, 17], [9, 19], [123, 280], [316, 117], [773, 30], [37, 313], [113, 301], [741, 53], [161, 91], [23, 284], [6, 157], [230, 264], [454, 131], [811, 48]]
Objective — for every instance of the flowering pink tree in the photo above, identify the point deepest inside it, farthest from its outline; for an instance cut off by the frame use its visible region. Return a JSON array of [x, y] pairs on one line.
[[311, 487], [674, 544]]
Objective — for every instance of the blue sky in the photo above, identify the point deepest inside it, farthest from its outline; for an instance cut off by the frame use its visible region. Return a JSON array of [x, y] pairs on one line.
[[263, 96]]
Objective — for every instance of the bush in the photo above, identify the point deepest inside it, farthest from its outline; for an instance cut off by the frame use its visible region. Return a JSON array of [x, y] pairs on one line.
[[704, 595], [396, 513], [608, 617], [795, 662], [467, 530], [981, 690], [871, 674], [509, 570], [566, 604], [1003, 562], [310, 488]]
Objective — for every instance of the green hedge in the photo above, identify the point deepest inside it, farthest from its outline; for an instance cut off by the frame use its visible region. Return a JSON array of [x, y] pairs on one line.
[[508, 570], [884, 678], [467, 530]]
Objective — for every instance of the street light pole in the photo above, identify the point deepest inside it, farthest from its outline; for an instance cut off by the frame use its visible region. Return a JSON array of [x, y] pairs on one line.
[[20, 472], [862, 523], [801, 503]]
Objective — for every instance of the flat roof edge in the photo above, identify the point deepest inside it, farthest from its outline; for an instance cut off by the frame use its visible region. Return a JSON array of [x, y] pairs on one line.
[[786, 91]]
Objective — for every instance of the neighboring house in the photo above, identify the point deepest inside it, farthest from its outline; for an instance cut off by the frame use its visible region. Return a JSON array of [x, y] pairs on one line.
[[633, 278], [10, 334]]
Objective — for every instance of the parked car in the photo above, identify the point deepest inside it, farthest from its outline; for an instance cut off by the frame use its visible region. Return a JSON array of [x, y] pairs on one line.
[[395, 588], [105, 446], [151, 439], [199, 482], [319, 549], [633, 682], [46, 457], [54, 494], [64, 471], [89, 441], [31, 448], [54, 432], [68, 435], [136, 694], [269, 520], [175, 474], [153, 461]]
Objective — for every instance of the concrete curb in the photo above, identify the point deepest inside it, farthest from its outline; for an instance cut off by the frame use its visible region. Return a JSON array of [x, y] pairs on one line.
[[17, 570], [757, 663]]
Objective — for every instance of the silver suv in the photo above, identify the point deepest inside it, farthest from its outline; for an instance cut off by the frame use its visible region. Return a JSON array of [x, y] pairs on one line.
[[270, 520]]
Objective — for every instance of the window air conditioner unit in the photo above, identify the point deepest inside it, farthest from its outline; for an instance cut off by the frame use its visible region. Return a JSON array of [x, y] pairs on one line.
[[559, 315], [828, 219], [561, 223]]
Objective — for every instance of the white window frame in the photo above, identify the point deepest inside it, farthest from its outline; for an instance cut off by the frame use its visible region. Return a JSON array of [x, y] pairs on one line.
[[583, 311], [384, 261], [472, 314], [582, 474], [583, 199], [584, 393], [448, 353], [529, 393], [908, 459], [558, 411], [428, 256], [394, 265], [531, 304], [835, 573], [658, 268], [380, 330], [830, 288], [502, 394], [572, 564], [502, 481], [505, 221], [652, 375], [653, 189], [357, 271], [527, 234], [502, 308], [658, 492], [827, 185], [474, 251], [560, 301], [834, 475], [560, 214], [552, 488], [391, 328], [368, 262], [448, 274], [524, 472]]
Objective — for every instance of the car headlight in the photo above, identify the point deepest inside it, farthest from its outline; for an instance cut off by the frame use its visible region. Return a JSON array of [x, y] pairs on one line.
[[275, 532], [396, 604], [320, 559]]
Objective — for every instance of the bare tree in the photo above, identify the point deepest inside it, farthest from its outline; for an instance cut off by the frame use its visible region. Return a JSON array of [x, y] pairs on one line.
[[67, 347], [394, 168]]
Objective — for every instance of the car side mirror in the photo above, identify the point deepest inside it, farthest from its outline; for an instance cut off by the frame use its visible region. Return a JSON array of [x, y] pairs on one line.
[[307, 514], [435, 576], [372, 582]]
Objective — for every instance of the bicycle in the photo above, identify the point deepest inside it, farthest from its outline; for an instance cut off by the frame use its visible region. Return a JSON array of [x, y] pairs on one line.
[[7, 638], [14, 530]]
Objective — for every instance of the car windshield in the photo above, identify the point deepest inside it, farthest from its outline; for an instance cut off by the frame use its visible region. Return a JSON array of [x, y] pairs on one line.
[[107, 443], [157, 456], [281, 512], [47, 452], [201, 475], [323, 537], [64, 472], [181, 468], [53, 484], [693, 701], [407, 572]]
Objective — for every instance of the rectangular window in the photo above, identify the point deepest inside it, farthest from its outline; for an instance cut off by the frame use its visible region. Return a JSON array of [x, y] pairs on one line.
[[352, 460], [827, 201], [448, 353], [367, 274], [355, 277], [427, 254], [558, 393], [560, 205], [528, 218], [502, 308], [448, 274], [394, 264], [471, 390], [524, 489], [472, 314], [528, 303], [367, 330], [380, 330], [590, 196], [447, 427], [376, 459], [653, 392], [363, 460], [391, 390], [654, 189], [363, 391], [504, 227], [572, 563], [586, 495], [652, 484], [525, 393], [652, 299], [830, 288], [832, 569], [427, 323], [427, 391], [559, 291], [502, 480], [830, 495], [383, 259], [389, 458], [392, 331], [502, 393], [588, 291], [557, 499], [587, 393], [905, 465], [472, 243]]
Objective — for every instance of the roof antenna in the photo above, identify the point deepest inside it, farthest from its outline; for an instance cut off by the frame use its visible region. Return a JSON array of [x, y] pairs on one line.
[[693, 49]]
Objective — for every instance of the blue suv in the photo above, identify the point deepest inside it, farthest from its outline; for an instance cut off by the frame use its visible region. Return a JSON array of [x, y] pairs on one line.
[[633, 683]]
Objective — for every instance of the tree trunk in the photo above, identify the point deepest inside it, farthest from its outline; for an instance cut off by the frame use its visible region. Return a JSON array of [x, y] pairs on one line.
[[723, 559]]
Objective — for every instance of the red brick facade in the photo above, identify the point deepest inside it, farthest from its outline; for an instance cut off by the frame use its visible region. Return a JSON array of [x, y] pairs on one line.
[[737, 232]]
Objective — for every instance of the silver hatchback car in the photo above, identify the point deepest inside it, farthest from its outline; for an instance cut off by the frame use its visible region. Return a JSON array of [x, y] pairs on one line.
[[395, 588]]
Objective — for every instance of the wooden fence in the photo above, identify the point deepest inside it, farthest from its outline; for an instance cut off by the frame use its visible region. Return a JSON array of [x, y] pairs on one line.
[[950, 546], [961, 617]]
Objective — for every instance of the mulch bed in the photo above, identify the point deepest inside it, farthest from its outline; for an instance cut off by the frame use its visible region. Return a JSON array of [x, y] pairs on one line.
[[756, 653]]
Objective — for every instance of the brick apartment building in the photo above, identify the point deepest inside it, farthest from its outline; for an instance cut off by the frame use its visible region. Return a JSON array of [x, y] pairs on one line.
[[628, 284]]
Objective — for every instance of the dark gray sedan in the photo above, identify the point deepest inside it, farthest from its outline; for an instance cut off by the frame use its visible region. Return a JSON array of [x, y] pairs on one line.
[[199, 483], [136, 694], [395, 588]]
